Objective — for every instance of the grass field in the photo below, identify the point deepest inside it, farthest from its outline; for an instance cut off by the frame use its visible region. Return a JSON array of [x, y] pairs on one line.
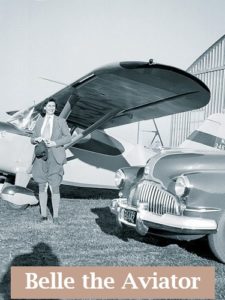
[[88, 236]]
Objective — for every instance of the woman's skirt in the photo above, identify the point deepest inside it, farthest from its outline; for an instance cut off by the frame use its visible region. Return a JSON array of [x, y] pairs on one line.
[[47, 171]]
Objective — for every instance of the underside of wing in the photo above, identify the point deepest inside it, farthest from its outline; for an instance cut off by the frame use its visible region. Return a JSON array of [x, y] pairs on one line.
[[130, 92]]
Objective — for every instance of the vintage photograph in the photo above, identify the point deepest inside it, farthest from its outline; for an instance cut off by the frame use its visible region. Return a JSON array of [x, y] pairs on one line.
[[112, 134]]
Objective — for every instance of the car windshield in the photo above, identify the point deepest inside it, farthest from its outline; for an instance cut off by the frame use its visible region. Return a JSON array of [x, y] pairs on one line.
[[25, 119]]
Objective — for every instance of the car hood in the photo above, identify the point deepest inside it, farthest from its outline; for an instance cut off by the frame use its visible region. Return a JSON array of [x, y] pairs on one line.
[[170, 164]]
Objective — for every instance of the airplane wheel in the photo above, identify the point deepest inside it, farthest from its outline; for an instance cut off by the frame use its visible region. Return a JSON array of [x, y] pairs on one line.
[[16, 206], [217, 240]]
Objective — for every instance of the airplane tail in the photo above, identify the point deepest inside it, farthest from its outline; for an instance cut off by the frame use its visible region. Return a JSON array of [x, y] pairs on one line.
[[210, 135]]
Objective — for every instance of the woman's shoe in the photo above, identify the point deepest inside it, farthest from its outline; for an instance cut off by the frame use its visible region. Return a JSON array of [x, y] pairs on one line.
[[44, 219]]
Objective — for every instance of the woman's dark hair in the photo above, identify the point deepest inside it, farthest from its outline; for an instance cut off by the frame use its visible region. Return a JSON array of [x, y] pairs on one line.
[[43, 112]]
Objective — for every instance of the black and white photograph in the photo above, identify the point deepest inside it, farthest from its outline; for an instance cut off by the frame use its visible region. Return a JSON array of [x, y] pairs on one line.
[[112, 135]]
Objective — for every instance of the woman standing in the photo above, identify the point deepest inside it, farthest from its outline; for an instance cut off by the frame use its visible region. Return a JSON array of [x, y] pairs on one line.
[[54, 132]]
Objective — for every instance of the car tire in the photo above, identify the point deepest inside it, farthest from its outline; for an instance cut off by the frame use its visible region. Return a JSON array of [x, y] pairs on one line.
[[16, 206], [217, 240]]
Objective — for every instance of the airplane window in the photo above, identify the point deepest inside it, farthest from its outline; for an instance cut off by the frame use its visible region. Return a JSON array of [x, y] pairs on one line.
[[25, 119]]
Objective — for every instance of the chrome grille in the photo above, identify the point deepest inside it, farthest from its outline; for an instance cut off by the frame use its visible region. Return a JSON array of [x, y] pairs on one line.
[[159, 201]]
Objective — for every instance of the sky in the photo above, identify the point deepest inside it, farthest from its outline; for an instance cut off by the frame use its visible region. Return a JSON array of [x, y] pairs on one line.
[[65, 39]]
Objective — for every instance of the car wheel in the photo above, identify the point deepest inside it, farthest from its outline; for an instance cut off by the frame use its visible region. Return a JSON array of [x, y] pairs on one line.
[[217, 240], [16, 206]]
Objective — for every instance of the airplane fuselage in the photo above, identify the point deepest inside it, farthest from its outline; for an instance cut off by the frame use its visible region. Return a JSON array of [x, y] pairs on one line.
[[91, 163]]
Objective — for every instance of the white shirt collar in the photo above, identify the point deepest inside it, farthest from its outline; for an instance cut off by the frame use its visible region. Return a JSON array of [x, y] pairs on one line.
[[49, 116]]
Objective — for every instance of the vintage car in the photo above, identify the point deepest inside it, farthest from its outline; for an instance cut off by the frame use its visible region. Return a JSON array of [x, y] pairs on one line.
[[179, 194]]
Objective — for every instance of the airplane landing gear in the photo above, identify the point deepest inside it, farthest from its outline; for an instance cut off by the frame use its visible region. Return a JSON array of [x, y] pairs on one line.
[[17, 197]]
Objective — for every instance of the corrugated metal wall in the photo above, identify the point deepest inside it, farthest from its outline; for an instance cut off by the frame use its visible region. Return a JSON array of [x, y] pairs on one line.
[[210, 68]]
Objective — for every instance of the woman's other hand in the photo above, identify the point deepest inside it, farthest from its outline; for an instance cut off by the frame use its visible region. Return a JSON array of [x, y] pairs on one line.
[[38, 139], [50, 144]]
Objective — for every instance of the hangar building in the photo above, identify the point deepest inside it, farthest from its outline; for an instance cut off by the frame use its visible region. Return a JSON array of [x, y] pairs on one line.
[[210, 68]]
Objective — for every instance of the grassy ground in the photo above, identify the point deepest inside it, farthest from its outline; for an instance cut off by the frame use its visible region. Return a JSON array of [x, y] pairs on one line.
[[88, 236]]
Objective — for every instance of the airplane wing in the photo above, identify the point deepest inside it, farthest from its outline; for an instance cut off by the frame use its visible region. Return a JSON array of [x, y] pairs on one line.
[[128, 92]]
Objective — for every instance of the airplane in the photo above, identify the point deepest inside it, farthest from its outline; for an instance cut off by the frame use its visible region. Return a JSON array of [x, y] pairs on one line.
[[113, 95]]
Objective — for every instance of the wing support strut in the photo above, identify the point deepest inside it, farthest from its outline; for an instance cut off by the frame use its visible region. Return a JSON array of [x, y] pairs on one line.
[[157, 133], [91, 128]]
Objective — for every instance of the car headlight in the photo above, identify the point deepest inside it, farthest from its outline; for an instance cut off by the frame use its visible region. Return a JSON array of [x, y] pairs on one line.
[[119, 178], [182, 186]]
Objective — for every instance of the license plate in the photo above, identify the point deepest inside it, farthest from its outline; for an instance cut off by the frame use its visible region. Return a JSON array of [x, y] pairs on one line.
[[129, 216]]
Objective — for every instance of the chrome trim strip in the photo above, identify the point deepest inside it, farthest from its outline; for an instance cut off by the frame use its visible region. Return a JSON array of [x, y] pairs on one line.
[[182, 222], [127, 223], [202, 209], [128, 207]]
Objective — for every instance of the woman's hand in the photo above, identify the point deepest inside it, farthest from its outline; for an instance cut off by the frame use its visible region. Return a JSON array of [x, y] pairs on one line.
[[38, 139], [50, 144]]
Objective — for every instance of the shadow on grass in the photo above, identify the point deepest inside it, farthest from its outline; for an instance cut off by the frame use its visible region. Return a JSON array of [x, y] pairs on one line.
[[107, 222], [199, 247], [41, 255]]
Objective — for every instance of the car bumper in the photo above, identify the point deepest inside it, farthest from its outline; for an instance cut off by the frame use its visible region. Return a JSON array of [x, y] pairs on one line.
[[146, 220]]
